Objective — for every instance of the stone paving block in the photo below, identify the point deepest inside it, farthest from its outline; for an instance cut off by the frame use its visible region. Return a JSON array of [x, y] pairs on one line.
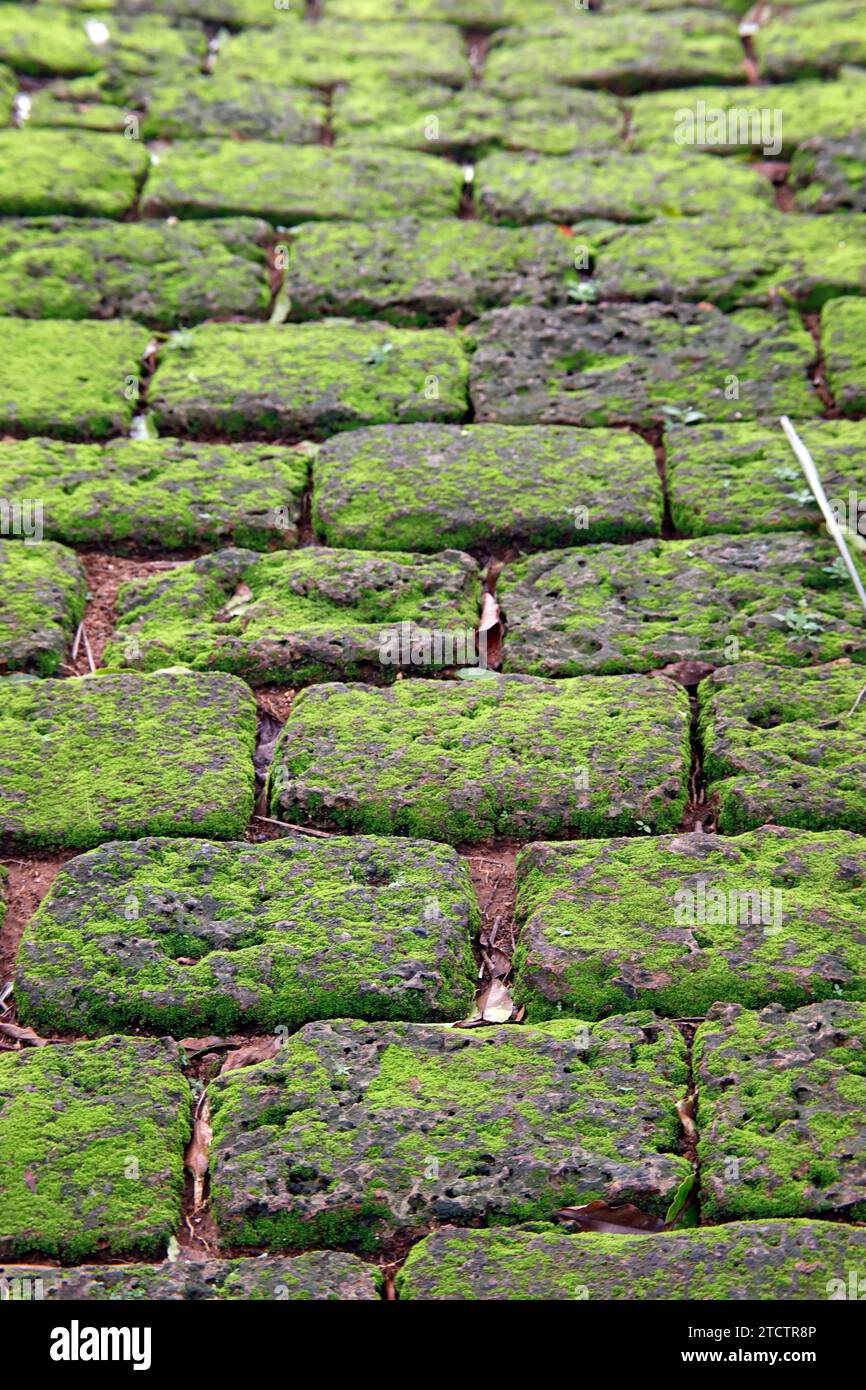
[[780, 1115], [754, 258], [85, 103], [485, 15], [785, 746], [317, 1276], [517, 188], [468, 760], [92, 1137], [748, 1260], [43, 41], [612, 608], [633, 363], [494, 486], [8, 88], [165, 276], [843, 337], [744, 477], [357, 1132], [182, 936], [42, 591], [117, 756], [162, 494], [414, 272], [73, 380], [66, 171], [787, 47], [187, 107], [830, 175], [676, 923], [299, 182], [307, 615], [307, 380]]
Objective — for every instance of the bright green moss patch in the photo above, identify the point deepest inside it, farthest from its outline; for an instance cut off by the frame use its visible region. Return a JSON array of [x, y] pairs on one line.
[[744, 477], [465, 760], [519, 188], [761, 1261], [181, 936], [187, 107], [676, 923], [8, 88], [815, 42], [161, 275], [312, 614], [843, 337], [307, 380], [637, 363], [42, 589], [117, 756], [298, 183], [785, 746], [355, 1132], [43, 41], [830, 175], [604, 609], [425, 486], [469, 14], [73, 380], [780, 1115], [74, 172], [160, 494], [92, 1137]]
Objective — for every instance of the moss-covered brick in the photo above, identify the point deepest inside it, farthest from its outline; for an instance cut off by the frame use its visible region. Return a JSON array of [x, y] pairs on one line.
[[554, 121], [752, 258], [843, 338], [830, 175], [636, 363], [163, 494], [416, 272], [424, 486], [46, 41], [92, 1137], [162, 275], [76, 172], [780, 1115], [316, 1276], [517, 188], [42, 590], [815, 42], [302, 616], [236, 14], [485, 15], [189, 106], [84, 103], [73, 380], [356, 1132], [676, 923], [744, 477], [750, 1260], [298, 183], [785, 746], [465, 760], [624, 52], [609, 608], [307, 380], [117, 756], [180, 936], [8, 88]]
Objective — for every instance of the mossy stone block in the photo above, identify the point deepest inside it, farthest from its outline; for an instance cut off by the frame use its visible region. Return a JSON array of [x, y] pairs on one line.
[[106, 757], [676, 923], [159, 494], [42, 591], [357, 1132], [190, 106], [785, 746], [610, 608], [307, 380], [298, 183], [781, 1100], [42, 41], [635, 363], [74, 172], [830, 175], [92, 1137], [301, 616], [466, 760], [815, 42], [180, 936], [843, 337], [72, 380], [494, 486], [8, 88], [756, 1261], [484, 15]]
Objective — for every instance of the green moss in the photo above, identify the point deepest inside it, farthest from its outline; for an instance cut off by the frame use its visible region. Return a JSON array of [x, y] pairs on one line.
[[8, 88], [787, 48], [91, 1140], [830, 174], [42, 590], [843, 338], [44, 41], [75, 172], [469, 14], [188, 106]]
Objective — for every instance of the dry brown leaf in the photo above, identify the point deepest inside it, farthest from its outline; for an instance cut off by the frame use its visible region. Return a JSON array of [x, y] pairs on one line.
[[246, 1056], [496, 1003], [197, 1157], [600, 1216], [25, 1036]]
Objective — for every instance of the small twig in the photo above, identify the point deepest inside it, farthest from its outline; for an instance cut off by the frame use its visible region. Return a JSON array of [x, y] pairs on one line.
[[90, 660], [76, 644], [289, 825], [856, 703]]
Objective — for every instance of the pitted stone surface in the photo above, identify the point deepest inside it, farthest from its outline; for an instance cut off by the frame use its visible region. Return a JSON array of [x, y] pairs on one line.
[[42, 590]]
